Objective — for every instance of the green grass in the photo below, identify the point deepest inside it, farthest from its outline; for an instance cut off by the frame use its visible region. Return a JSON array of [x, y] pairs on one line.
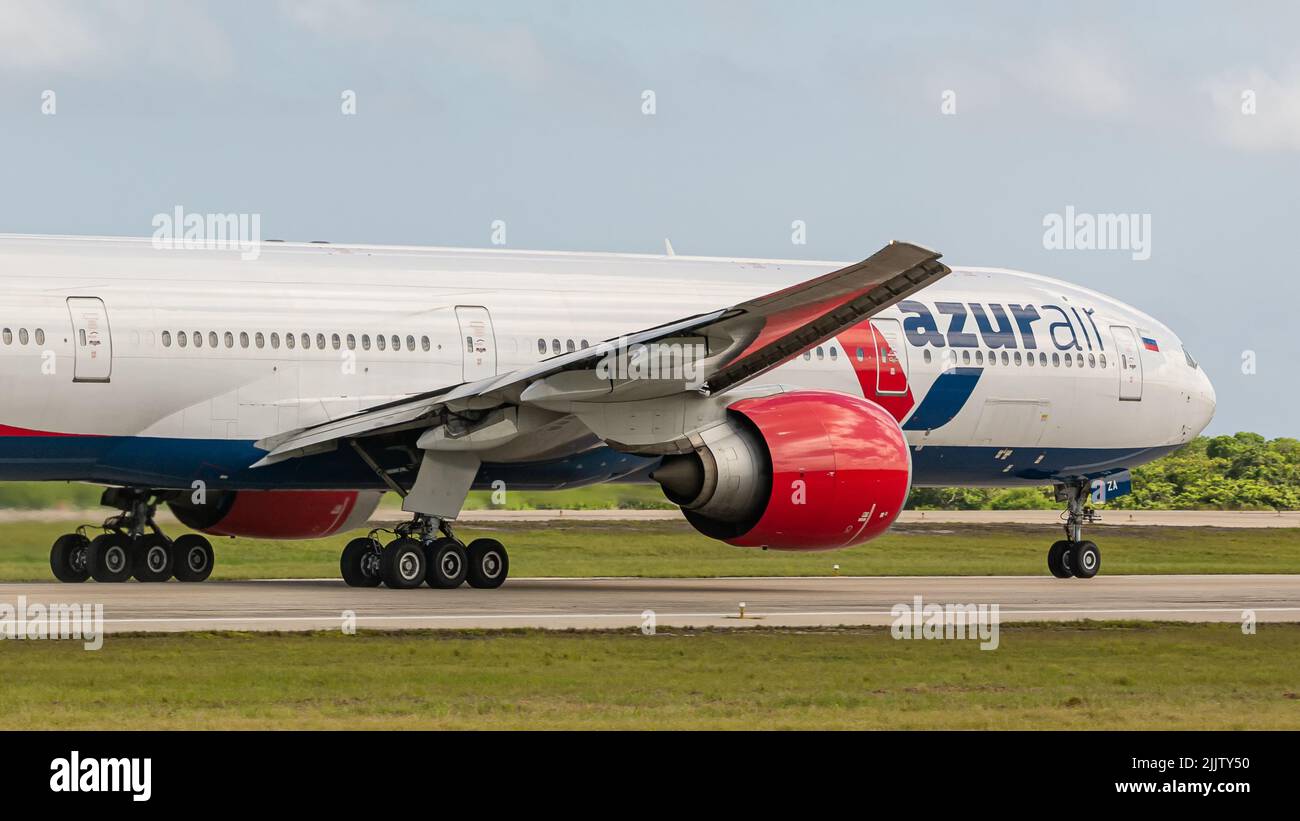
[[673, 549], [1091, 676]]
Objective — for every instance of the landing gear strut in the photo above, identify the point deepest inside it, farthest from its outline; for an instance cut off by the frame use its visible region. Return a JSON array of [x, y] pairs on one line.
[[424, 552], [1073, 556], [132, 544]]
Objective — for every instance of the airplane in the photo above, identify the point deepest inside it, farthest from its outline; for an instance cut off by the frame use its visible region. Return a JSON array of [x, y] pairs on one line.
[[783, 404]]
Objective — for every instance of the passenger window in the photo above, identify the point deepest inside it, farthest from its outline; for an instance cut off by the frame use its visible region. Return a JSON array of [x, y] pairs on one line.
[[1017, 357], [1101, 360], [198, 339], [965, 357], [821, 354], [181, 338], [570, 345], [212, 339], [410, 343], [555, 346], [584, 344], [306, 342], [8, 336], [807, 354], [541, 345], [365, 342], [352, 342], [1056, 360], [926, 355], [381, 342], [40, 336], [243, 339], [862, 354], [834, 353], [275, 341], [424, 343], [397, 342], [260, 340], [979, 358], [167, 339], [290, 341], [336, 342], [320, 341], [230, 339]]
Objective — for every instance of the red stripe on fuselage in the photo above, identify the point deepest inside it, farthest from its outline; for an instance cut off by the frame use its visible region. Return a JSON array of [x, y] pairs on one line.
[[10, 430], [865, 336]]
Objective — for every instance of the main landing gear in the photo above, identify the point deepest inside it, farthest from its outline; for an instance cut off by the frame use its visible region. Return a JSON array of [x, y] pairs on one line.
[[425, 551], [131, 545], [1074, 557]]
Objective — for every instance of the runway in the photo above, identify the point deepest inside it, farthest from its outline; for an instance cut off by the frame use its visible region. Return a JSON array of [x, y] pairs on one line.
[[563, 604]]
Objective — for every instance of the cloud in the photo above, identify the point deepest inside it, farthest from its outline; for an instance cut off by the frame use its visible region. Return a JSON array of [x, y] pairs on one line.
[[1079, 77], [509, 50], [37, 35], [1083, 79], [71, 37], [1275, 123]]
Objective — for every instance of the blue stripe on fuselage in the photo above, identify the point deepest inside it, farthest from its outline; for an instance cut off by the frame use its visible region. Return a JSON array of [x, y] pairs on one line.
[[945, 399], [222, 465]]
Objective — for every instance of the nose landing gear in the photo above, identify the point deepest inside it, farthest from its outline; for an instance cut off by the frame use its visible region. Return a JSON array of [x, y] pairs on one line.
[[1073, 556]]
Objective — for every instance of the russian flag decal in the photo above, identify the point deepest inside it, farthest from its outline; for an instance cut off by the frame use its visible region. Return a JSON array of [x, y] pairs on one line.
[[1150, 344]]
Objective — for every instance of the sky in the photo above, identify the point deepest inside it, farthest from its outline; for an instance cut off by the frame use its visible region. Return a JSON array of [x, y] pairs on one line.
[[723, 125]]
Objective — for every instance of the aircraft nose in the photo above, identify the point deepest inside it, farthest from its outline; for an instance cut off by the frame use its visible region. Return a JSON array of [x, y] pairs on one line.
[[1201, 402]]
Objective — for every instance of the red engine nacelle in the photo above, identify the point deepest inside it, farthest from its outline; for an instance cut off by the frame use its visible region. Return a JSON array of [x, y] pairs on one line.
[[809, 470], [277, 514]]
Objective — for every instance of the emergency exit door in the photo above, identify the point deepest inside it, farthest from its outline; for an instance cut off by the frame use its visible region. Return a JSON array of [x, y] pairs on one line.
[[891, 357], [1130, 363], [478, 347], [91, 339]]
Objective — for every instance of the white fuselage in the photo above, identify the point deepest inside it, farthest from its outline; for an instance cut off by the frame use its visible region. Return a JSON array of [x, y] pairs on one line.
[[93, 328]]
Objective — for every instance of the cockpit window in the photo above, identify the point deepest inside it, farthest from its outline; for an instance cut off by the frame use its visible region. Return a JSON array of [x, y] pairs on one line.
[[1191, 363]]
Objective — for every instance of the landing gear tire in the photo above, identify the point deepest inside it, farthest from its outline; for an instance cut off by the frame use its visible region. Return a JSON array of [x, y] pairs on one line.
[[108, 556], [68, 558], [489, 564], [447, 562], [360, 562], [192, 558], [151, 559], [1085, 559], [402, 565], [1058, 559]]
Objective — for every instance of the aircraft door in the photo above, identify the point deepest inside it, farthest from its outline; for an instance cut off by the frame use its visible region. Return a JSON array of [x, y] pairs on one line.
[[891, 357], [477, 342], [1130, 363], [91, 339]]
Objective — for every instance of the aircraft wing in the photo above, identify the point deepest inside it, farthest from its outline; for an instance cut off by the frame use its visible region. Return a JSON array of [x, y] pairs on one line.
[[742, 342]]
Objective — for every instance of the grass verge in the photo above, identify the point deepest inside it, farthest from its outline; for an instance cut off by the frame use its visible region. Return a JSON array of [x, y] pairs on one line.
[[1087, 676]]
